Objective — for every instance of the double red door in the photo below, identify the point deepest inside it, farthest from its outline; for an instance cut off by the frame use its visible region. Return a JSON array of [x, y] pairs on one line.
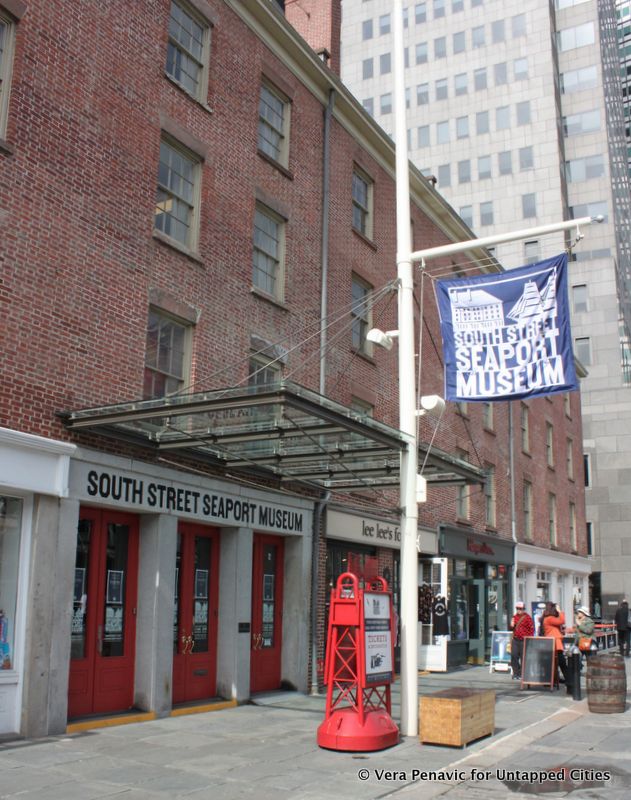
[[196, 613], [267, 614], [103, 639]]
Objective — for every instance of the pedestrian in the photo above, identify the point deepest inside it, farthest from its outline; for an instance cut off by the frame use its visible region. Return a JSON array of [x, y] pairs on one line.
[[521, 626], [622, 624], [553, 625], [583, 629]]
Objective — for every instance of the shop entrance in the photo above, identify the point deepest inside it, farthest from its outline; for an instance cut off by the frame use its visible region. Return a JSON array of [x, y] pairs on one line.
[[195, 613], [103, 639], [477, 621], [267, 607]]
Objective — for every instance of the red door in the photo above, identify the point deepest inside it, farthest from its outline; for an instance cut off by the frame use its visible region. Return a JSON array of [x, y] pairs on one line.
[[267, 612], [195, 617], [103, 640]]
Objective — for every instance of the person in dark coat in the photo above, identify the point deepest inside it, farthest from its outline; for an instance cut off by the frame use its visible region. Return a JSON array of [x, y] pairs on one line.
[[622, 624]]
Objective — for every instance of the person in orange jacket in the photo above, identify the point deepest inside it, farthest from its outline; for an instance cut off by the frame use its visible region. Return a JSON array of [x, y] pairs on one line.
[[553, 625]]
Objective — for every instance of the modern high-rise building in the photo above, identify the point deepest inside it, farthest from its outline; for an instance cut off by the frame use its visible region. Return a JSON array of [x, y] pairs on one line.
[[515, 109]]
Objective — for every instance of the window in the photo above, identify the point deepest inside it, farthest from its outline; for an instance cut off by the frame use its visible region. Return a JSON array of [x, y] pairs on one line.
[[464, 171], [369, 105], [578, 79], [477, 36], [385, 65], [459, 42], [7, 35], [525, 429], [462, 127], [421, 53], [584, 169], [579, 297], [439, 8], [500, 73], [595, 209], [549, 445], [502, 118], [583, 350], [497, 31], [529, 205], [552, 519], [366, 29], [569, 459], [262, 372], [466, 215], [484, 167], [505, 162], [460, 83], [585, 122], [188, 50], [268, 252], [423, 135], [531, 251], [487, 416], [441, 89], [457, 5], [489, 496], [444, 175], [523, 113], [420, 13], [384, 24], [527, 509], [442, 132], [518, 25], [479, 79], [440, 47], [587, 470], [579, 36], [273, 139], [360, 314], [482, 122], [11, 510], [589, 535], [385, 103], [362, 203], [177, 194], [486, 213], [166, 355], [520, 69], [367, 69], [573, 542], [422, 94], [526, 158], [567, 405], [407, 96]]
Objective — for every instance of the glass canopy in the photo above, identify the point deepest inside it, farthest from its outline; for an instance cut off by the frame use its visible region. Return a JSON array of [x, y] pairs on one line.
[[281, 430]]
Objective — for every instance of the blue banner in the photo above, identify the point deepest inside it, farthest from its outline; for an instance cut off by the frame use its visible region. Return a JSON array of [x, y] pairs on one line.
[[507, 336]]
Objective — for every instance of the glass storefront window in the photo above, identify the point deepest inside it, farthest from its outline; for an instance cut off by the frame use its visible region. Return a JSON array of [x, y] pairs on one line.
[[10, 529], [459, 608]]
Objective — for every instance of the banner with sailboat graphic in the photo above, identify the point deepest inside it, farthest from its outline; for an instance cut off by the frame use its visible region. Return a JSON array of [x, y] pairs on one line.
[[507, 336]]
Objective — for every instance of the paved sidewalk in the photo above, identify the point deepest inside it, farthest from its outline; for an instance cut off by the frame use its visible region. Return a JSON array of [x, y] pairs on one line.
[[269, 751]]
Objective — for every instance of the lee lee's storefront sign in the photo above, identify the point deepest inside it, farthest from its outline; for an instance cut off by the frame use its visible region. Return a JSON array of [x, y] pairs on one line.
[[132, 491], [373, 532]]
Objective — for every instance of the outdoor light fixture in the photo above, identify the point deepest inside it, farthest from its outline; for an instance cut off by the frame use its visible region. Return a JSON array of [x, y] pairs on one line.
[[380, 338], [432, 405]]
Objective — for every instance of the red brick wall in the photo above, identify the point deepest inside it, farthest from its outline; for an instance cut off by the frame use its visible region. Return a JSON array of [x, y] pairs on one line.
[[319, 22]]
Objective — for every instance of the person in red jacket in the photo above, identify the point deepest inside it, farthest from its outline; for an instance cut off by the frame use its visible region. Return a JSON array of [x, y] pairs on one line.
[[553, 625], [521, 626]]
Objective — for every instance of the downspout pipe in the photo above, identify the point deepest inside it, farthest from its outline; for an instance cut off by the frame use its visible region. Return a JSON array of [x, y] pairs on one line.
[[513, 519], [315, 585]]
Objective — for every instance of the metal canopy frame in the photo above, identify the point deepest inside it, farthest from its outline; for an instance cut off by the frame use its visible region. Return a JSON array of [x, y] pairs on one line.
[[282, 430]]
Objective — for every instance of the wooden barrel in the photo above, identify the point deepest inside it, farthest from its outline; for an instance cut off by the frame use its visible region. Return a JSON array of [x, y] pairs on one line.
[[606, 684]]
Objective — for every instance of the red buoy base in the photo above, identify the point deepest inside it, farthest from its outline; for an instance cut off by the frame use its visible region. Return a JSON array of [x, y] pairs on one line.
[[342, 731]]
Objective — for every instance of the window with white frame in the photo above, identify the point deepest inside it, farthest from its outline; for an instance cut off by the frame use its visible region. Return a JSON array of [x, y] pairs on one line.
[[525, 428], [385, 103], [384, 24], [484, 167], [567, 404], [167, 355], [188, 49], [442, 132], [527, 509], [552, 518], [420, 13], [362, 190], [7, 36], [579, 297], [442, 89], [502, 118], [569, 459], [263, 372], [549, 445], [422, 94], [273, 139], [486, 213], [462, 127], [268, 252], [578, 36], [460, 83], [531, 251], [520, 69], [360, 314], [177, 197], [421, 52], [583, 349], [487, 416], [489, 496]]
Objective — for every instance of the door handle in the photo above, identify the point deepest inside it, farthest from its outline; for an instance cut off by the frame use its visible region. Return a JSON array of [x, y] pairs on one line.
[[99, 639], [191, 644]]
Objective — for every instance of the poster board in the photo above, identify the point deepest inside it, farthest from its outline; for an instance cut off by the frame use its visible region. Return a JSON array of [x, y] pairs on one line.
[[539, 661], [500, 655], [377, 638]]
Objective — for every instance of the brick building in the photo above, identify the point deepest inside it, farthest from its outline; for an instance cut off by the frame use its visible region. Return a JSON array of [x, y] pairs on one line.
[[197, 233]]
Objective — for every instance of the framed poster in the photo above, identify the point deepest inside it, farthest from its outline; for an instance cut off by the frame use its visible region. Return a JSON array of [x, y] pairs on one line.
[[201, 584], [500, 653], [539, 661], [115, 586], [79, 583], [377, 638]]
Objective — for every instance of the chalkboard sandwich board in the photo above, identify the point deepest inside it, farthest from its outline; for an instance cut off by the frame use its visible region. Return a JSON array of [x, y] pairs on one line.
[[539, 661]]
